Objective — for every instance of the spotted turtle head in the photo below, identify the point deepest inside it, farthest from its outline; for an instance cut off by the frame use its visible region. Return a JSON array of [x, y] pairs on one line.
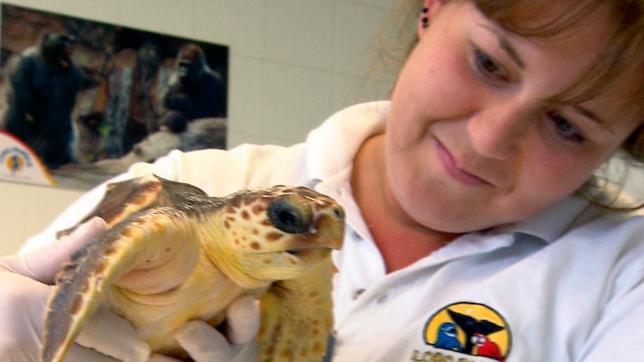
[[276, 233]]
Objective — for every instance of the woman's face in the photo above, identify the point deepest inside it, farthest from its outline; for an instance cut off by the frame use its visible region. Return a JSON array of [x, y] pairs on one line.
[[472, 141]]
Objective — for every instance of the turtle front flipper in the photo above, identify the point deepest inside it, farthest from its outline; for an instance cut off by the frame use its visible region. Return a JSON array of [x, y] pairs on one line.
[[122, 199], [141, 242], [125, 198], [297, 317]]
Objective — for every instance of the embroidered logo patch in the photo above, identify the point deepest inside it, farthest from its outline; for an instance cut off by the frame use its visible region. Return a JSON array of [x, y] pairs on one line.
[[469, 329]]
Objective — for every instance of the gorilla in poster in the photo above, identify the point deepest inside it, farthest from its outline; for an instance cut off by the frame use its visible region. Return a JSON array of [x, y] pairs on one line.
[[44, 83], [198, 91]]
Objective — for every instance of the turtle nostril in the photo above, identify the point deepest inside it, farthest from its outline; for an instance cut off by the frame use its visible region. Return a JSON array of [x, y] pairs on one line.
[[338, 212]]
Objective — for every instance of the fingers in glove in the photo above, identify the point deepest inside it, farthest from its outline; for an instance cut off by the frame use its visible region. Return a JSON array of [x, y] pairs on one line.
[[22, 305], [43, 263], [81, 354], [242, 320], [204, 343], [161, 358], [122, 343]]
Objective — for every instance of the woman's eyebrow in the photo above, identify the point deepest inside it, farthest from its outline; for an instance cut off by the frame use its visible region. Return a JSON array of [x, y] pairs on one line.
[[505, 44], [592, 116]]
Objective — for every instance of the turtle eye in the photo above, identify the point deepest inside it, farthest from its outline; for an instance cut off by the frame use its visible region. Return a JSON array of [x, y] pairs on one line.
[[290, 217]]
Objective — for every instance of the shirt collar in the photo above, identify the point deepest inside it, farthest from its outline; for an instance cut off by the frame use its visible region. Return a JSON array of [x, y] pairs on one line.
[[332, 146], [551, 223]]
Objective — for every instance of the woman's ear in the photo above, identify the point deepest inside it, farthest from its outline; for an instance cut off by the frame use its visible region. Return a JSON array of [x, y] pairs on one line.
[[426, 13]]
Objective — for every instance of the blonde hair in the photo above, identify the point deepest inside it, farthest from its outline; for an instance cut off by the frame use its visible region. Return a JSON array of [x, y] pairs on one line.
[[623, 51]]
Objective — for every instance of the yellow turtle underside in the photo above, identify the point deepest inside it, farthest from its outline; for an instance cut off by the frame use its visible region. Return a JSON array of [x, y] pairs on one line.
[[179, 255]]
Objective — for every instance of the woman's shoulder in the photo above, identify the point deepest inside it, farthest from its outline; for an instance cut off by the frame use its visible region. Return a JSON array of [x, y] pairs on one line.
[[608, 237], [601, 220], [220, 171], [605, 228]]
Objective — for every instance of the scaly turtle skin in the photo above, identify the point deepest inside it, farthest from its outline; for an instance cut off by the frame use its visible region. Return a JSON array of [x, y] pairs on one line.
[[173, 254]]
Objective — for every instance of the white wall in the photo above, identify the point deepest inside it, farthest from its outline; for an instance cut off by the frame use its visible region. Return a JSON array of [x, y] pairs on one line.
[[292, 63], [26, 209]]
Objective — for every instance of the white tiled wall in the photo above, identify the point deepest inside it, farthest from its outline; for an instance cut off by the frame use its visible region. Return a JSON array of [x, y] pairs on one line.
[[292, 64]]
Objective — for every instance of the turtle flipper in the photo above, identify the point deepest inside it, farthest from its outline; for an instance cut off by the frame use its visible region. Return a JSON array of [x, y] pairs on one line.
[[297, 317], [122, 199], [82, 283]]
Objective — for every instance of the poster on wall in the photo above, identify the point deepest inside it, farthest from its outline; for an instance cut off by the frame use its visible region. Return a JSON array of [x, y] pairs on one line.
[[90, 99]]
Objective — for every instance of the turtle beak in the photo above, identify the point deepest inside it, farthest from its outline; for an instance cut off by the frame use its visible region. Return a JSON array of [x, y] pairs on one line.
[[328, 227]]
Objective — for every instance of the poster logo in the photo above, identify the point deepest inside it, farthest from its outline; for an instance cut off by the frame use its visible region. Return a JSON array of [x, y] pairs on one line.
[[18, 162], [469, 328], [15, 159]]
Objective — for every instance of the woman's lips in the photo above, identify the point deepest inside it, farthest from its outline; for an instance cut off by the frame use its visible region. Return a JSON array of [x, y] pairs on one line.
[[452, 169]]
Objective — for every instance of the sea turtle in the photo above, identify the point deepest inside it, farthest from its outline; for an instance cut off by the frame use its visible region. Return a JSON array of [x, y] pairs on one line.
[[173, 254]]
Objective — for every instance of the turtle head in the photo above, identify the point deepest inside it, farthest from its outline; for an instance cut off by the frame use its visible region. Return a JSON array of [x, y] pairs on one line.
[[280, 232]]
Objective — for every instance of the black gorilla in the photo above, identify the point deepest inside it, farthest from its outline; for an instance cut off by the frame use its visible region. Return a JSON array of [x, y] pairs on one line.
[[199, 91], [44, 84]]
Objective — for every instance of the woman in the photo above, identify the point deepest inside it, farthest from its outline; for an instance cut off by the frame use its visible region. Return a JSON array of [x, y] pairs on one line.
[[465, 236]]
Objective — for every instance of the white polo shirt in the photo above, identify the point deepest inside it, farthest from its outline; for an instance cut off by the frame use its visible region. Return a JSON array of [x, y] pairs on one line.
[[566, 285]]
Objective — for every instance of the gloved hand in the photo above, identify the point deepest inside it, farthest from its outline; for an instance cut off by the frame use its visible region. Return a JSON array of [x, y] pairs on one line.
[[206, 344], [25, 285]]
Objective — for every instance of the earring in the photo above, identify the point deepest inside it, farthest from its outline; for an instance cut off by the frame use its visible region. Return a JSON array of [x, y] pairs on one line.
[[425, 19]]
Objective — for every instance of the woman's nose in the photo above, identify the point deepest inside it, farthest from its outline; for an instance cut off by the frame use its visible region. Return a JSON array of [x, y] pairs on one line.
[[497, 132]]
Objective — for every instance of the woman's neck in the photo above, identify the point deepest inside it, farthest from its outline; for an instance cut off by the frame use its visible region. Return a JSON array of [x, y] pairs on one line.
[[400, 240]]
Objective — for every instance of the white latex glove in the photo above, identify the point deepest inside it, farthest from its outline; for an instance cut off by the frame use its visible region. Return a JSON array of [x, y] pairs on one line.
[[25, 285], [206, 344]]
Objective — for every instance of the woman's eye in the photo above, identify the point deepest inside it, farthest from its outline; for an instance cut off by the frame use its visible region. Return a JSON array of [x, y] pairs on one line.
[[488, 67], [564, 128]]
